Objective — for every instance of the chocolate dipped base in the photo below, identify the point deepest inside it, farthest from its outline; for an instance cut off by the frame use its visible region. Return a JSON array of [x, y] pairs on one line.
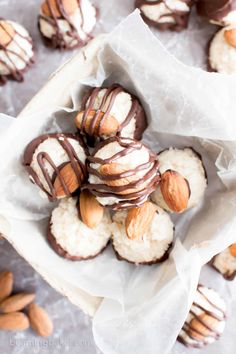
[[227, 276], [216, 11]]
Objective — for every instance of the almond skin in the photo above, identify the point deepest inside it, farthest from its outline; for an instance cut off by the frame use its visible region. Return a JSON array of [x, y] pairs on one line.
[[70, 179], [40, 320], [175, 190], [232, 249], [109, 126], [6, 284], [16, 302], [199, 330], [6, 33], [15, 321], [69, 6], [138, 220], [230, 37], [91, 211]]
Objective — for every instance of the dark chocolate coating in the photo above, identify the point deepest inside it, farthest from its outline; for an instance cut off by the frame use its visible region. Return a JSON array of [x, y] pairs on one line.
[[136, 112], [129, 200], [81, 171], [15, 74], [63, 253], [57, 41], [215, 10], [181, 17]]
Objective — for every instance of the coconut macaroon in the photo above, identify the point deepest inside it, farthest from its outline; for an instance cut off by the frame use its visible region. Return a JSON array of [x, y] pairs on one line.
[[16, 51], [166, 14], [142, 235], [122, 173], [56, 163], [222, 51], [225, 262], [110, 111], [183, 180], [79, 229], [206, 320], [220, 12], [66, 24]]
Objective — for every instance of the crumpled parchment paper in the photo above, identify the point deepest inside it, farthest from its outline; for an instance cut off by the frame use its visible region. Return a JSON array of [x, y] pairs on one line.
[[143, 307]]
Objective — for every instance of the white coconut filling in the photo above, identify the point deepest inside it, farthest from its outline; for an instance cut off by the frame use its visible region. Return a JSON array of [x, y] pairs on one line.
[[57, 154], [151, 246], [130, 161], [161, 12], [84, 25], [225, 262], [19, 51], [120, 110], [222, 56], [189, 165], [201, 300], [73, 235]]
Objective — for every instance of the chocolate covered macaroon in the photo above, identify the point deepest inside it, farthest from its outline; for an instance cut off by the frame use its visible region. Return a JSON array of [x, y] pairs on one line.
[[142, 235], [206, 320], [111, 111], [16, 51], [79, 228], [66, 24], [183, 180], [222, 51], [225, 262], [122, 173], [221, 12], [56, 164], [166, 14]]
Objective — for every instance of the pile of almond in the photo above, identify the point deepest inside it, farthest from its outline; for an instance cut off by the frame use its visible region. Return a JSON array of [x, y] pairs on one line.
[[12, 317]]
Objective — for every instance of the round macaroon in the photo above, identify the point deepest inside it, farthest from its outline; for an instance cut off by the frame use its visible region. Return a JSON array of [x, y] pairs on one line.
[[122, 173], [16, 51], [111, 111], [183, 180], [79, 229], [166, 14], [206, 319], [56, 164], [142, 235], [220, 12], [66, 24], [222, 51], [225, 262]]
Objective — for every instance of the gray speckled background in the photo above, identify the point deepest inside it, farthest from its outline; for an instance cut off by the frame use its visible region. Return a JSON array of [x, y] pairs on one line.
[[73, 333]]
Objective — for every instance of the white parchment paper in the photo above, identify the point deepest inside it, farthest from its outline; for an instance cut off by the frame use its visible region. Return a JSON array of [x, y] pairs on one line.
[[143, 307]]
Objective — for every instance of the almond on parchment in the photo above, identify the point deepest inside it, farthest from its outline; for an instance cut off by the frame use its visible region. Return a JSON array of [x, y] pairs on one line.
[[175, 190], [138, 220], [91, 211], [16, 302], [40, 320], [230, 36], [108, 126], [6, 284], [15, 321]]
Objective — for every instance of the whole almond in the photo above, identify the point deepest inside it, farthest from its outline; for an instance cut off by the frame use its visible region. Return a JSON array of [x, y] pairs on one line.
[[6, 284], [230, 36], [6, 33], [138, 220], [70, 179], [108, 126], [69, 7], [175, 190], [232, 249], [201, 327], [91, 211], [15, 321], [16, 302], [40, 320]]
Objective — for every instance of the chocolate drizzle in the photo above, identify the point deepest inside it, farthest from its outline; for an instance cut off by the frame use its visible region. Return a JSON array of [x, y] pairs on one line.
[[14, 72], [58, 40], [215, 10], [136, 195], [180, 17], [136, 111], [78, 167], [207, 330]]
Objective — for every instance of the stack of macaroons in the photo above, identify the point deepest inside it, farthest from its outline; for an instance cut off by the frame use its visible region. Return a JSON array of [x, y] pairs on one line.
[[116, 173]]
